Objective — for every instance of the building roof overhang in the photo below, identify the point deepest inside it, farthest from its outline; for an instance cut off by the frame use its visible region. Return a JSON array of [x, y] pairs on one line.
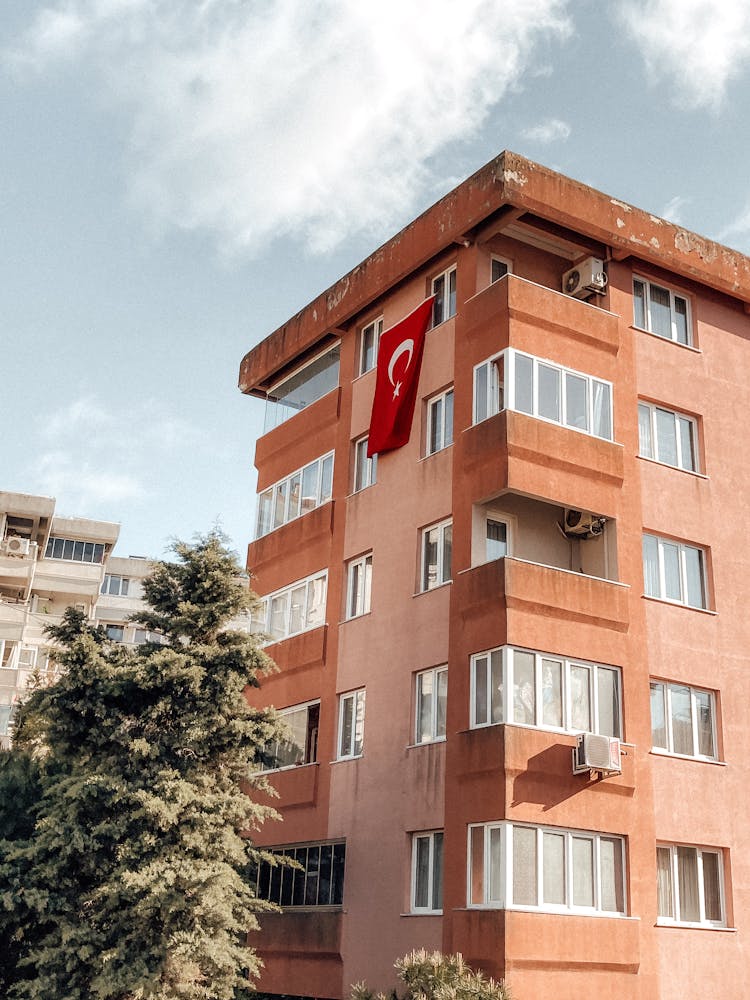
[[514, 195]]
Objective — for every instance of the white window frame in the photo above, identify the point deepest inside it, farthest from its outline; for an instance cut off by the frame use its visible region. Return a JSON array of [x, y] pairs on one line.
[[121, 586], [27, 657], [119, 626], [674, 886], [437, 728], [277, 410], [443, 572], [647, 322], [352, 704], [501, 391], [682, 548], [261, 620], [9, 649], [650, 448], [437, 420], [280, 494], [358, 586], [495, 257], [666, 691], [499, 517], [434, 888], [375, 329], [75, 550], [283, 714], [445, 310], [365, 469], [497, 874], [503, 710]]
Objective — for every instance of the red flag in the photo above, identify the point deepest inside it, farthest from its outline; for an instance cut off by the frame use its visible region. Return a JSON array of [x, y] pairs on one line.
[[399, 361]]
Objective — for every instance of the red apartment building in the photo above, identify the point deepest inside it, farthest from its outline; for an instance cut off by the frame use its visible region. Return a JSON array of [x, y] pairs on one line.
[[560, 549]]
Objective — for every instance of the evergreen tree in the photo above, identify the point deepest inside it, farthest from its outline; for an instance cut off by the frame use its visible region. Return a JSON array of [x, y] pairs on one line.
[[135, 878], [434, 976]]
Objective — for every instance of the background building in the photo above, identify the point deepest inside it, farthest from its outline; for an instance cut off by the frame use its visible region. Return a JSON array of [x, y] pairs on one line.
[[558, 550], [48, 563]]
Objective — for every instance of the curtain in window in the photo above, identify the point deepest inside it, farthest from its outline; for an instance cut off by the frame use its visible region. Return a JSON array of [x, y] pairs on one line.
[[549, 393], [524, 384], [651, 566], [583, 871], [660, 312], [524, 866], [711, 886], [553, 861], [524, 693], [602, 410], [687, 881], [611, 875], [644, 432]]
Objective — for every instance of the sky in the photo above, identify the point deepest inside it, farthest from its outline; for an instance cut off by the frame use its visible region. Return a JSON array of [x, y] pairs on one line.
[[179, 178]]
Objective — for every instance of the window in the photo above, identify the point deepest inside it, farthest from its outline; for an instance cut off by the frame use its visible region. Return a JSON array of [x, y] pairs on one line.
[[301, 743], [115, 633], [499, 268], [144, 635], [667, 437], [683, 720], [318, 881], [7, 650], [74, 551], [444, 290], [307, 385], [431, 701], [351, 724], [117, 586], [436, 555], [551, 692], [292, 610], [546, 868], [427, 872], [294, 496], [27, 657], [497, 538], [673, 571], [439, 422], [690, 885], [661, 311], [359, 586], [545, 390], [365, 469], [369, 340]]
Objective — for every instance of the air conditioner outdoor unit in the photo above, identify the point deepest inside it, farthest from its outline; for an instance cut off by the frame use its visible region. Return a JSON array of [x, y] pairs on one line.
[[597, 753], [581, 524], [17, 546], [586, 277]]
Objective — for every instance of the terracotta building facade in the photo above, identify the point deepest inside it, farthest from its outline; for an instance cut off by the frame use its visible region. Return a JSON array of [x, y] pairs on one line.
[[513, 654]]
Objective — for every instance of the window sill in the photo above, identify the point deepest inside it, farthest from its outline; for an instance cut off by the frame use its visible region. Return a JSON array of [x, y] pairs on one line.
[[678, 604], [438, 451], [431, 590], [346, 760], [659, 752], [354, 618], [426, 743], [675, 468], [422, 913], [356, 493], [289, 767], [544, 420], [668, 340], [550, 911], [676, 925]]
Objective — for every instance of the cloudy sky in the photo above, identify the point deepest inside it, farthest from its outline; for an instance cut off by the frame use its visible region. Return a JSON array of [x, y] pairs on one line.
[[178, 177]]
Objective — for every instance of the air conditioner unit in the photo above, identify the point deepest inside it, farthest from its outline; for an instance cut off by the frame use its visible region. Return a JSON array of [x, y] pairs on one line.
[[586, 277], [16, 546], [597, 753], [582, 524]]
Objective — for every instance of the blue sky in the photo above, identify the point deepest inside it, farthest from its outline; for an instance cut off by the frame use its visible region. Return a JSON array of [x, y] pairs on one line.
[[178, 178]]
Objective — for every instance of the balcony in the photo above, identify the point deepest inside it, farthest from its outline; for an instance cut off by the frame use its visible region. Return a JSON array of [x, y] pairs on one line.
[[301, 951], [17, 562]]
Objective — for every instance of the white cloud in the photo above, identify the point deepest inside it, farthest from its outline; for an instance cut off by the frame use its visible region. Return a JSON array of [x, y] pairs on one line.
[[737, 232], [550, 130], [672, 211], [698, 45], [315, 120]]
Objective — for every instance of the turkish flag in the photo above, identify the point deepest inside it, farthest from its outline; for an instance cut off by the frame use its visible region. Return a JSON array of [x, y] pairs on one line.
[[399, 361]]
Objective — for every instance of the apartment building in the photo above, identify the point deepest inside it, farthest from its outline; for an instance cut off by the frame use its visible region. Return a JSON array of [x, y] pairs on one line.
[[513, 654], [48, 563]]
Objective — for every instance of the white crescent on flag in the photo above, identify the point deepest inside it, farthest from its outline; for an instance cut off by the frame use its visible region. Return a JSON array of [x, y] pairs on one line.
[[405, 347]]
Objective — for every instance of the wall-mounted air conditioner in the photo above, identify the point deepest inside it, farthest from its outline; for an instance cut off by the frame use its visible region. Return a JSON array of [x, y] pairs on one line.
[[597, 753], [585, 278], [14, 545], [582, 524]]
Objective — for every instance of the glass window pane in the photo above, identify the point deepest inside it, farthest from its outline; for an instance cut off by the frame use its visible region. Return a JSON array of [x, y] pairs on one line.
[[658, 717], [337, 874], [496, 686], [552, 705], [313, 870], [660, 312], [576, 402], [524, 395], [687, 444], [680, 320], [452, 293], [553, 861], [549, 392], [297, 612], [696, 591], [611, 875], [687, 884], [666, 437], [442, 702], [324, 876], [88, 552], [438, 306], [580, 698], [704, 721], [279, 510], [425, 692], [671, 560], [711, 886], [476, 864], [681, 719], [278, 623], [524, 866], [608, 695], [347, 726], [69, 548], [422, 872], [295, 491], [602, 410], [448, 420], [644, 431], [309, 487], [481, 411], [437, 871], [524, 693], [430, 559], [583, 871], [499, 269], [436, 426], [497, 384], [359, 723], [497, 872], [497, 539], [480, 690], [639, 304], [78, 552], [447, 552], [651, 584], [326, 479], [665, 898], [316, 602]]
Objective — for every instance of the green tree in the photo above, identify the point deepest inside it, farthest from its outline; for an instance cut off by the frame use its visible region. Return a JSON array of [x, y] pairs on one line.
[[434, 976], [135, 877]]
